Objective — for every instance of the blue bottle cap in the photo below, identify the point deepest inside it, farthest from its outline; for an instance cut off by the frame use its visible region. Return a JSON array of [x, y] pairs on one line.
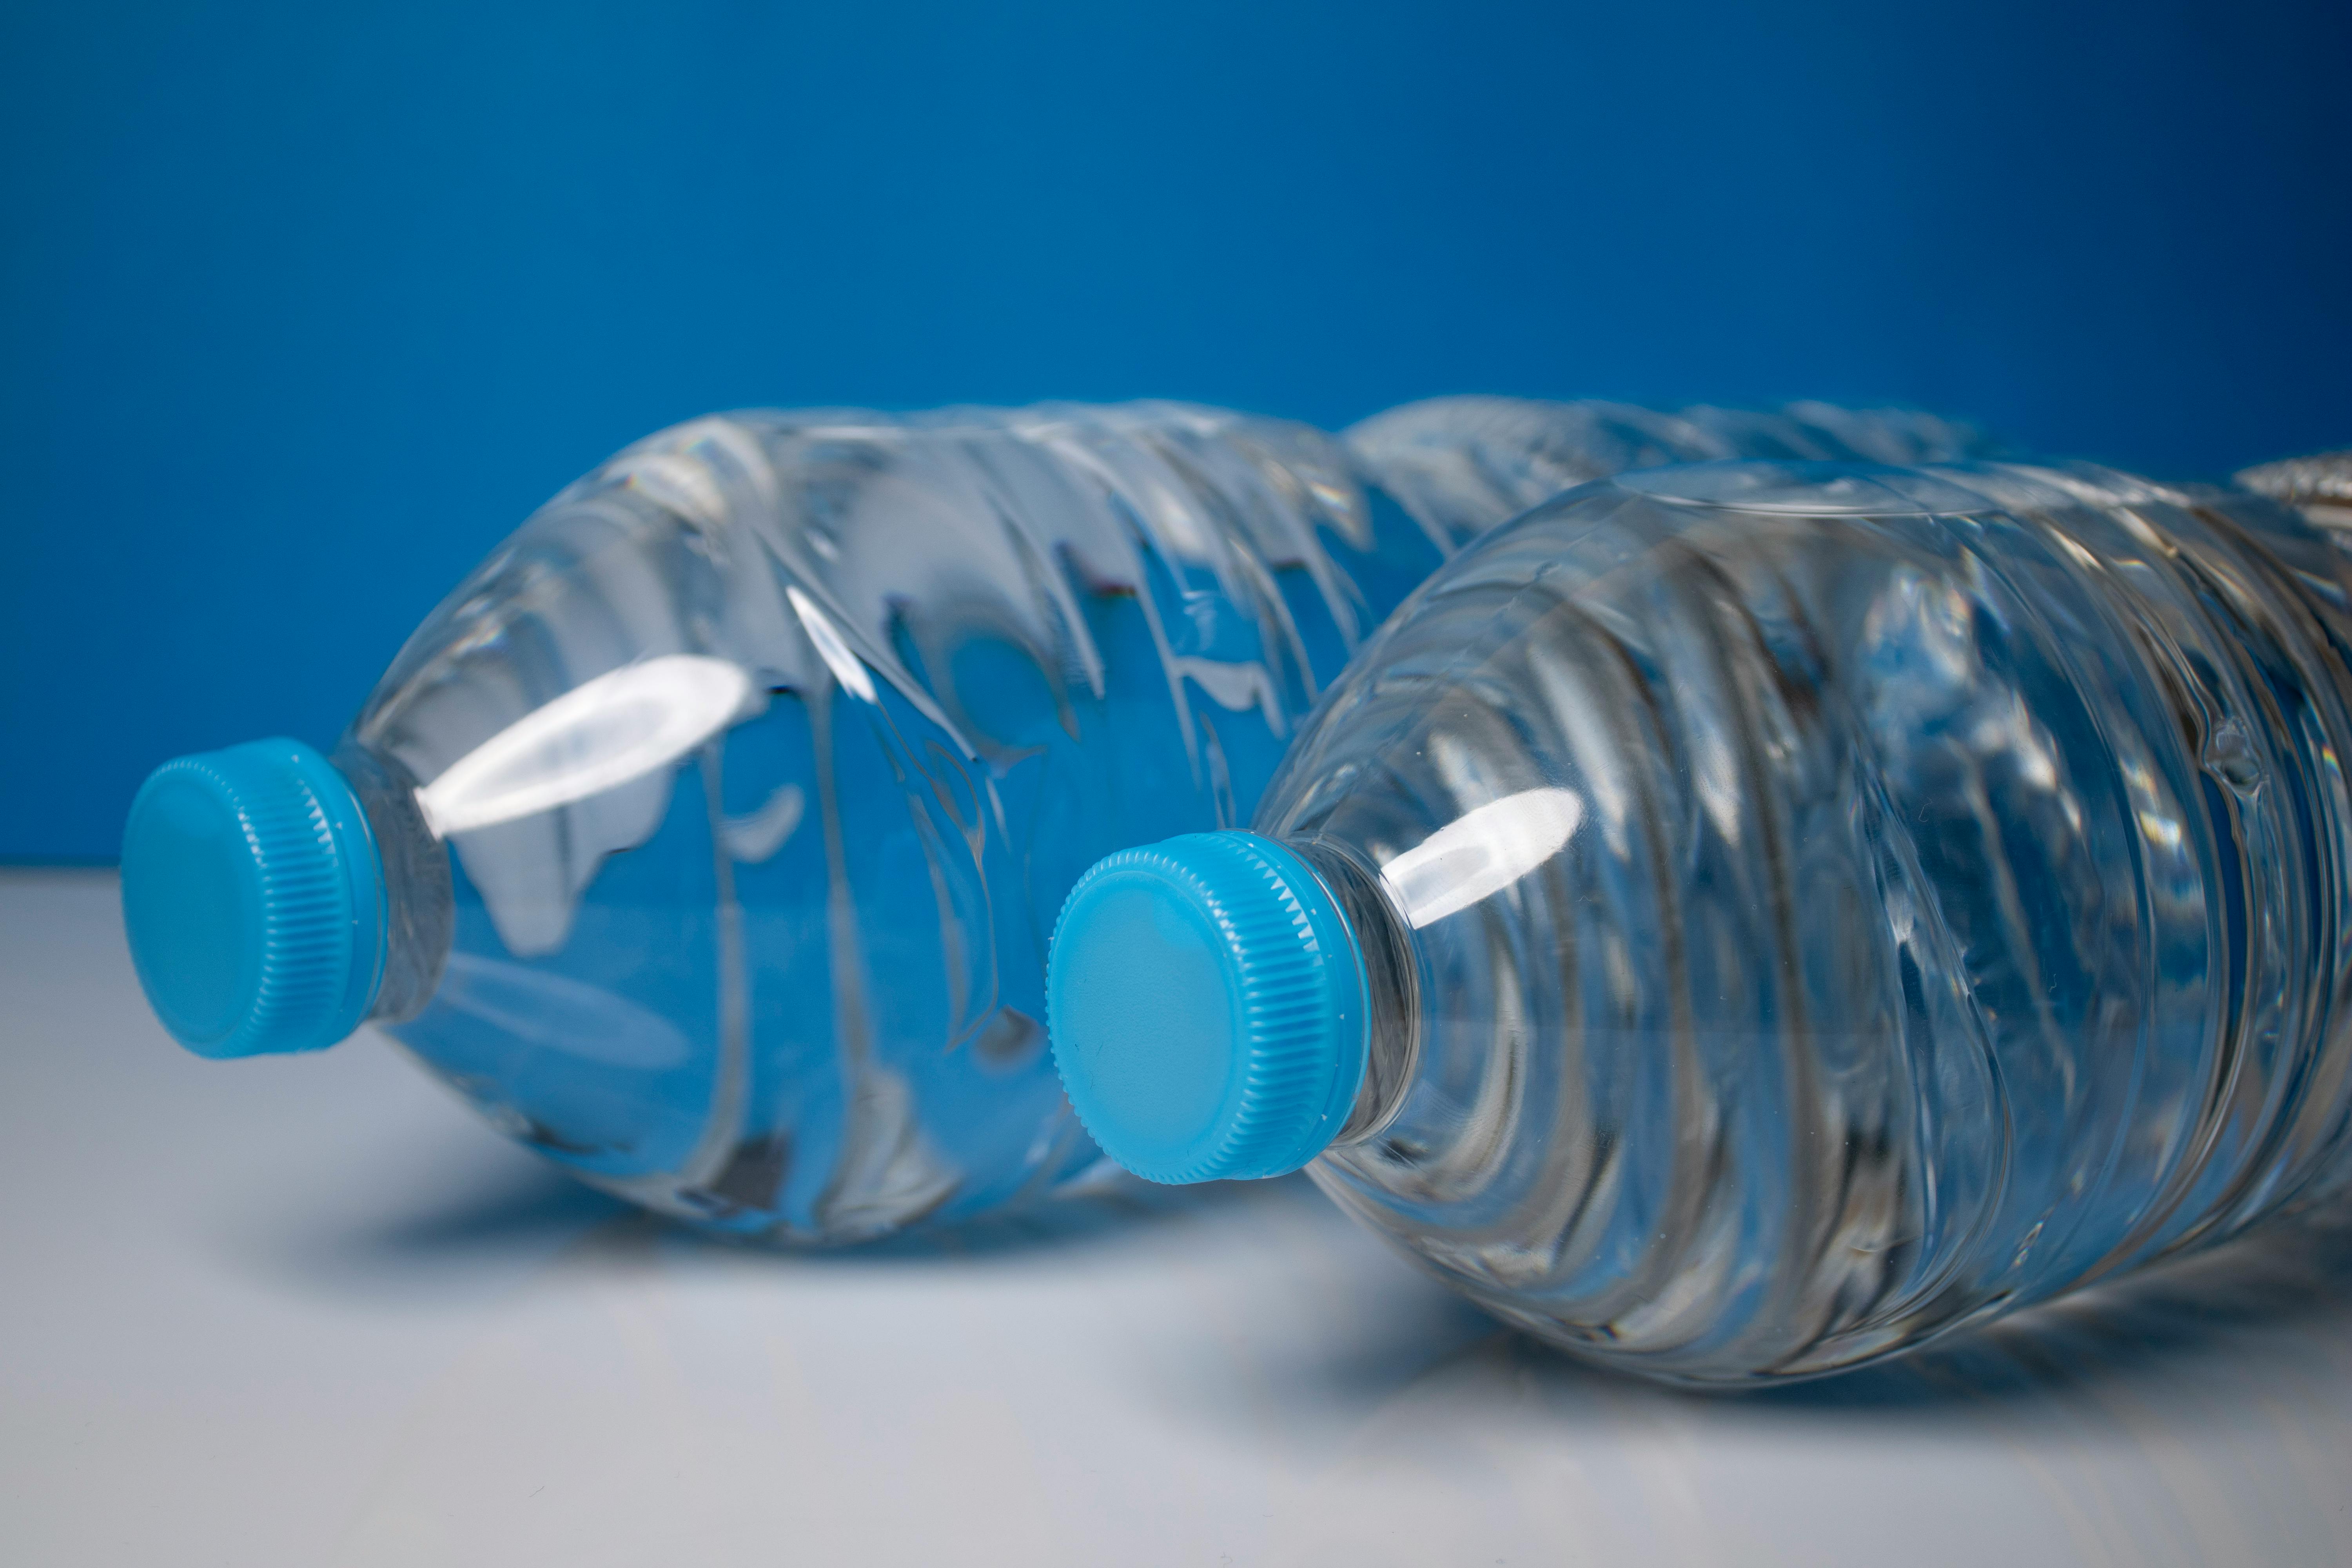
[[1207, 1006], [254, 900]]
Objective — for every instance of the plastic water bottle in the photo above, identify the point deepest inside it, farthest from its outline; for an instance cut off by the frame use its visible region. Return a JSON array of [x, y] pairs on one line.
[[1741, 920], [708, 837]]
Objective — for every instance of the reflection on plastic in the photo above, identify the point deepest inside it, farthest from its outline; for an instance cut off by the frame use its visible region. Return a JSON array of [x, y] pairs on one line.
[[1483, 852], [1002, 643], [1950, 924], [832, 647], [616, 728], [553, 1013]]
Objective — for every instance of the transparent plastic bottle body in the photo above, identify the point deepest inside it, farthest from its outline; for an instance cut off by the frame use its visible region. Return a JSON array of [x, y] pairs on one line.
[[766, 751], [1815, 909]]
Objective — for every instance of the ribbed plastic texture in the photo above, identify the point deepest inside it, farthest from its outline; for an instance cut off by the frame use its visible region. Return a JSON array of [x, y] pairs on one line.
[[760, 758], [1848, 903], [249, 896], [1247, 1075]]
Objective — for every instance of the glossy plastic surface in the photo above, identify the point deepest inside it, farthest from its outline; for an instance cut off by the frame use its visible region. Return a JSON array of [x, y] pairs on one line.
[[1846, 903], [768, 752], [725, 808]]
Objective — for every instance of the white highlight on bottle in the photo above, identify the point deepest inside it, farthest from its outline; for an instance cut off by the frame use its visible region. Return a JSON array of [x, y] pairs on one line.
[[618, 727], [831, 646], [1482, 852], [756, 837]]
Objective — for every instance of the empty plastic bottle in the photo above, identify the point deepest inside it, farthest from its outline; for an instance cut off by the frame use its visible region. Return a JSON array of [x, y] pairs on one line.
[[1741, 920], [706, 838]]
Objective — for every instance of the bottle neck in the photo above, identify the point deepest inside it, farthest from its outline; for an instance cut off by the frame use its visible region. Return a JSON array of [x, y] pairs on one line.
[[420, 911], [1391, 984]]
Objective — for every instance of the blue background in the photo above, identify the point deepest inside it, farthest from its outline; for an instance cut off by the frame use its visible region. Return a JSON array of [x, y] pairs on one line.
[[301, 310]]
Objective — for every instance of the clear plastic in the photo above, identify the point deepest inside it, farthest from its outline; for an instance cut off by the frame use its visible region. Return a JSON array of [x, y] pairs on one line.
[[1817, 908], [1477, 461], [767, 750]]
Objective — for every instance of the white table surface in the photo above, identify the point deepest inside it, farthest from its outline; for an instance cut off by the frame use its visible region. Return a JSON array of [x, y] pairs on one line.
[[309, 1311]]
